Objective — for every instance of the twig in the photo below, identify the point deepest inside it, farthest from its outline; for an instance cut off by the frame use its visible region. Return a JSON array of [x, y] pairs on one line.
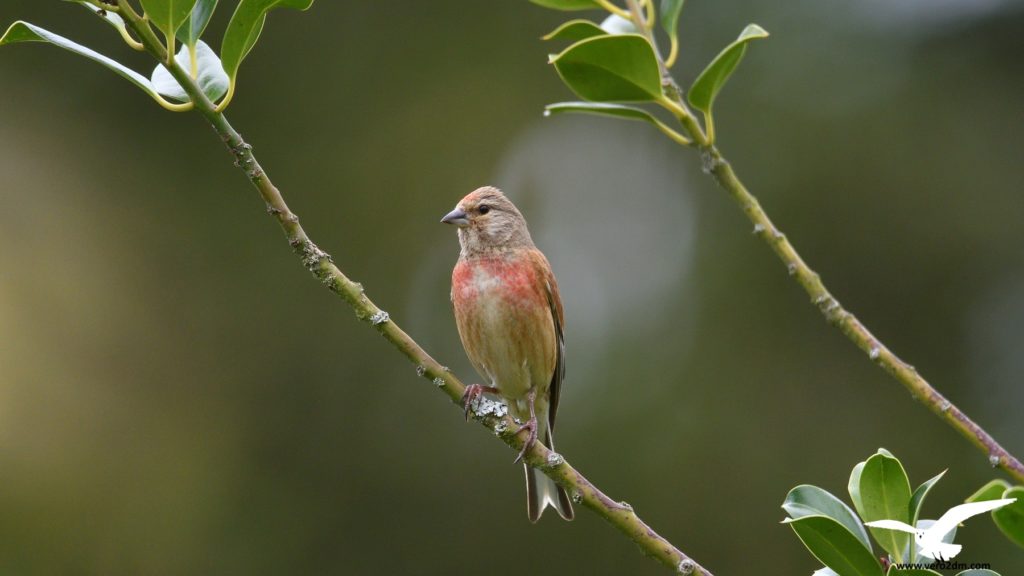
[[716, 165], [318, 262]]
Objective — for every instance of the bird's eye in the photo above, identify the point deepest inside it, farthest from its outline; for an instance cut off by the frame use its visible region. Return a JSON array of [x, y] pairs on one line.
[[484, 209]]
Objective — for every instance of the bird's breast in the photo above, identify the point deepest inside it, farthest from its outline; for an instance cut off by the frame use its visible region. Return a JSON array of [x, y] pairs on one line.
[[496, 280], [505, 322]]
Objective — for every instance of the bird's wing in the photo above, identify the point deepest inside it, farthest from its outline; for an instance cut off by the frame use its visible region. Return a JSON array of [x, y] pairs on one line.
[[892, 525], [555, 303], [958, 514]]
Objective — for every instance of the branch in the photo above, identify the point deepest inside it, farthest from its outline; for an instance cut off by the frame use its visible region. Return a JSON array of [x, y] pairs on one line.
[[715, 164], [491, 414]]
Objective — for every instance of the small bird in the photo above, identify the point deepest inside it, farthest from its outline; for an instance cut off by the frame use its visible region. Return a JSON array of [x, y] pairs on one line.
[[509, 316], [930, 540]]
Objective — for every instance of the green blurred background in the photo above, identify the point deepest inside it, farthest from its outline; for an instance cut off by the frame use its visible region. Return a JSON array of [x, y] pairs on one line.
[[178, 396]]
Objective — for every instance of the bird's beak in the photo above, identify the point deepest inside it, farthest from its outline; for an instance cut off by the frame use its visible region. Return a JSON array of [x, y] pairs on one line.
[[456, 217]]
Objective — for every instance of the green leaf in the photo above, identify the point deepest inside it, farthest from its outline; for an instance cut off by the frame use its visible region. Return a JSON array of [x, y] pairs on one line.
[[614, 67], [807, 500], [911, 572], [575, 30], [910, 553], [25, 32], [835, 546], [992, 491], [978, 572], [212, 79], [167, 15], [669, 15], [109, 17], [854, 488], [917, 498], [885, 491], [602, 109], [244, 29], [195, 24], [1010, 518], [614, 110], [568, 5], [706, 87]]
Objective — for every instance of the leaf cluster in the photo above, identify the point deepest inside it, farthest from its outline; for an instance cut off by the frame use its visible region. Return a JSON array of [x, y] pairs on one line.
[[880, 490], [617, 62], [176, 21]]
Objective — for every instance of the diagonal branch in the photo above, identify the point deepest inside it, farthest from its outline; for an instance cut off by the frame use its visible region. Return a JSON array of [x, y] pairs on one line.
[[716, 165], [491, 414]]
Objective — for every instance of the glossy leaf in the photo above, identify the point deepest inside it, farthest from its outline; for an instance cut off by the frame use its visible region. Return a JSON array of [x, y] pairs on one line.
[[807, 500], [608, 68], [1010, 518], [568, 4], [167, 15], [212, 79], [885, 492], [195, 24], [911, 572], [992, 491], [245, 27], [614, 110], [669, 17], [835, 546], [854, 488], [109, 17], [575, 30], [602, 109], [917, 498], [707, 86], [978, 572], [25, 32]]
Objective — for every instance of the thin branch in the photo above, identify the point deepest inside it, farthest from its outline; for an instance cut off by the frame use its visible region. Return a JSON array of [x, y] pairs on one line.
[[491, 414], [716, 165]]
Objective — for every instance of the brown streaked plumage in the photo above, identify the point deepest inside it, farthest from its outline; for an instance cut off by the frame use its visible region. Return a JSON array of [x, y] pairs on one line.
[[510, 320]]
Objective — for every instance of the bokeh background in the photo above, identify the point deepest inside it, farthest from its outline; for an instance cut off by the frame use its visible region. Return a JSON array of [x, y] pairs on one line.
[[178, 396]]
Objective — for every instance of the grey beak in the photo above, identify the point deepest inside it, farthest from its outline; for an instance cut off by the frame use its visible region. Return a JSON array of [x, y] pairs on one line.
[[456, 217]]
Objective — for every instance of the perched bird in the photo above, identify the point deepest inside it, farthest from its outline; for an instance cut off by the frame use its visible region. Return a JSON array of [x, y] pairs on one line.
[[509, 316], [930, 541]]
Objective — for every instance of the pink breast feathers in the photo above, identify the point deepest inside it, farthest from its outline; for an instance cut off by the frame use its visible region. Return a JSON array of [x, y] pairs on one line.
[[512, 279]]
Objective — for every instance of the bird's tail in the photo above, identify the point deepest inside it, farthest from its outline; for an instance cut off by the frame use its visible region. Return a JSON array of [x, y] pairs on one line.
[[542, 491], [945, 551]]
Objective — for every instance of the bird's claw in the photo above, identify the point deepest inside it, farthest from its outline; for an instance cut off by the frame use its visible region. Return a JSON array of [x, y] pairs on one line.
[[530, 425], [474, 391]]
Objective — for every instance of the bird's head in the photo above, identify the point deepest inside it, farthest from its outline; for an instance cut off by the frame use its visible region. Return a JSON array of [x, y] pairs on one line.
[[488, 221]]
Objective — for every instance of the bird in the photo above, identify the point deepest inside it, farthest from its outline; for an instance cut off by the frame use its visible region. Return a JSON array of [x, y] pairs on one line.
[[509, 315], [930, 540]]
